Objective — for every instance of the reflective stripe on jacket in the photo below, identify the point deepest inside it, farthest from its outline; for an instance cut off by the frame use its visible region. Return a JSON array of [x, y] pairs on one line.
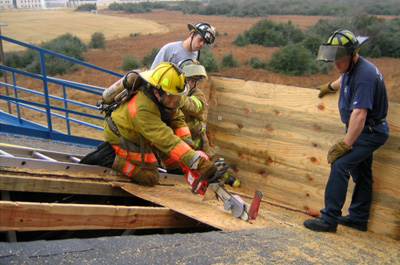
[[141, 116], [193, 109]]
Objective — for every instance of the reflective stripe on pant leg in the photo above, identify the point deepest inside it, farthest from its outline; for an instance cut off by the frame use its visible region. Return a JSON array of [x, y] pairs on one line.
[[123, 166], [128, 169]]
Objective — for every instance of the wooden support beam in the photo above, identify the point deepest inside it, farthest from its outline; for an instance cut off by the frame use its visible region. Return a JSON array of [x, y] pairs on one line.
[[53, 185], [27, 216]]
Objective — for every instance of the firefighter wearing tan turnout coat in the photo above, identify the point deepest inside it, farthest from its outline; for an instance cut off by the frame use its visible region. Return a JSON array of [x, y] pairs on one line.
[[194, 106], [150, 121]]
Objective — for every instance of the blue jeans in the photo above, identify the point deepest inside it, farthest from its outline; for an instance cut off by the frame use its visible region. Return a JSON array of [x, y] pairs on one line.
[[356, 163]]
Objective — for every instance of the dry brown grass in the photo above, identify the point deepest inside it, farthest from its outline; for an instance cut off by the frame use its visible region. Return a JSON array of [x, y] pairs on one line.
[[35, 26], [158, 28]]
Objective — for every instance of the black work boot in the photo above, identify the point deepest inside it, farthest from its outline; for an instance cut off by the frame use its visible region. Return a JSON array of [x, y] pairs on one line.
[[346, 220], [320, 225]]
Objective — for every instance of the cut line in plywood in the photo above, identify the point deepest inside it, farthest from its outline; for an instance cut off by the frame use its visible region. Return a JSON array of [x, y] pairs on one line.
[[183, 201]]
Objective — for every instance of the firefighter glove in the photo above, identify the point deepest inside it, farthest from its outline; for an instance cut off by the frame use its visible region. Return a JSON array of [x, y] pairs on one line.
[[325, 89], [338, 150], [206, 168]]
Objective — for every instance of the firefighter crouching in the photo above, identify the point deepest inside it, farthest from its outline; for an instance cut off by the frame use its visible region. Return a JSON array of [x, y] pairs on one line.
[[194, 106], [149, 121]]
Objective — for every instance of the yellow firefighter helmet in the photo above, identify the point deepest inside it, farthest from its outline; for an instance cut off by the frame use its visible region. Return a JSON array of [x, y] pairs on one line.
[[167, 77]]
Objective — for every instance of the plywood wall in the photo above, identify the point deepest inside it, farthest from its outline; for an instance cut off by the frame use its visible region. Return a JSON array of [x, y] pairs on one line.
[[276, 139]]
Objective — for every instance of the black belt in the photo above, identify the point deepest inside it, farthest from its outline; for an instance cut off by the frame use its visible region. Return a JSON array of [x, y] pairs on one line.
[[373, 122]]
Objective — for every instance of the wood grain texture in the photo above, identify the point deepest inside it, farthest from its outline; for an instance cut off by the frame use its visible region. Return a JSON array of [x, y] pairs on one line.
[[276, 139], [28, 216], [183, 201]]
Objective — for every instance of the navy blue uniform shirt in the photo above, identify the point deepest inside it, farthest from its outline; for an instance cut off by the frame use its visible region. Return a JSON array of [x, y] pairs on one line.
[[363, 88]]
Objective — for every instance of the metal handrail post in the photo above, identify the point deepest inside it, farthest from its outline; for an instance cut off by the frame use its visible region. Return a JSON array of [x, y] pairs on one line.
[[15, 95], [46, 94], [2, 62], [66, 112]]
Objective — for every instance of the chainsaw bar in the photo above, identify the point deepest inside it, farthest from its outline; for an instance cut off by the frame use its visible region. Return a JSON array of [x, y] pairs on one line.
[[231, 202]]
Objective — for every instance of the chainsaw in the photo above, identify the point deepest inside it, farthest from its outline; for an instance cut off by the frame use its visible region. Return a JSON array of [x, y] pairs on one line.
[[213, 187], [196, 180]]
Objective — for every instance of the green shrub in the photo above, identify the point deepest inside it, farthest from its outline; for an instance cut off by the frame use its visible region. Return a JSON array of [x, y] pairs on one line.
[[388, 40], [240, 40], [208, 60], [293, 60], [376, 53], [228, 60], [148, 59], [66, 44], [14, 60], [86, 7], [98, 41], [270, 34], [130, 63], [257, 63], [132, 8], [312, 43]]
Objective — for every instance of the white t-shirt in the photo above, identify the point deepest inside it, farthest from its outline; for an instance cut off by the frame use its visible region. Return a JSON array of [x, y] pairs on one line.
[[173, 52]]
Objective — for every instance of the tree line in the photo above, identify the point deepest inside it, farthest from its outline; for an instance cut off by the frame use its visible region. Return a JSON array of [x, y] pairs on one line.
[[299, 49], [260, 8]]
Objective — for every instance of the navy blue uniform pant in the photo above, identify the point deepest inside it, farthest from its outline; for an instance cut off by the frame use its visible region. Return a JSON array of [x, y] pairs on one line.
[[357, 163]]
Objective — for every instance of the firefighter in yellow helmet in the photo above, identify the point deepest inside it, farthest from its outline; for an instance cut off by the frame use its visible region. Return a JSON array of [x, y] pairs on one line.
[[194, 106], [150, 121]]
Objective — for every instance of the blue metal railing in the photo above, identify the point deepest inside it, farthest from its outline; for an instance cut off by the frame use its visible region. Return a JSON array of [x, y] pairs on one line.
[[66, 107]]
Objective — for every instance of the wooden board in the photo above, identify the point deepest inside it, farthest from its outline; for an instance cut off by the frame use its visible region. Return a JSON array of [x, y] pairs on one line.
[[276, 139], [24, 183], [28, 216], [182, 200]]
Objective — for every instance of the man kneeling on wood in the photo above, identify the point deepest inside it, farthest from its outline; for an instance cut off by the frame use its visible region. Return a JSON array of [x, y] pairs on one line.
[[149, 122]]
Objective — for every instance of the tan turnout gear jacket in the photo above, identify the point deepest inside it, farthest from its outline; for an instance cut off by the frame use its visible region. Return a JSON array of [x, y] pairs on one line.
[[140, 116], [194, 107]]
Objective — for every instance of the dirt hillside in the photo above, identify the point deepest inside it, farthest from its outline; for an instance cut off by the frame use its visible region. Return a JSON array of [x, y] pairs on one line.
[[228, 29]]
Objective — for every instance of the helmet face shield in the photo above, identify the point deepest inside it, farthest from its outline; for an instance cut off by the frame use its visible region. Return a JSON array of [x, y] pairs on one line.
[[330, 53], [340, 44]]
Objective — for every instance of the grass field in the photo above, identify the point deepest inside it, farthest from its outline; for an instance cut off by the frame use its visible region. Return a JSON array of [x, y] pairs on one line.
[[35, 26]]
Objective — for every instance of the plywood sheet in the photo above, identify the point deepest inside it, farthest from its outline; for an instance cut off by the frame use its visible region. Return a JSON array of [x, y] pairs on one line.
[[276, 139], [180, 199]]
